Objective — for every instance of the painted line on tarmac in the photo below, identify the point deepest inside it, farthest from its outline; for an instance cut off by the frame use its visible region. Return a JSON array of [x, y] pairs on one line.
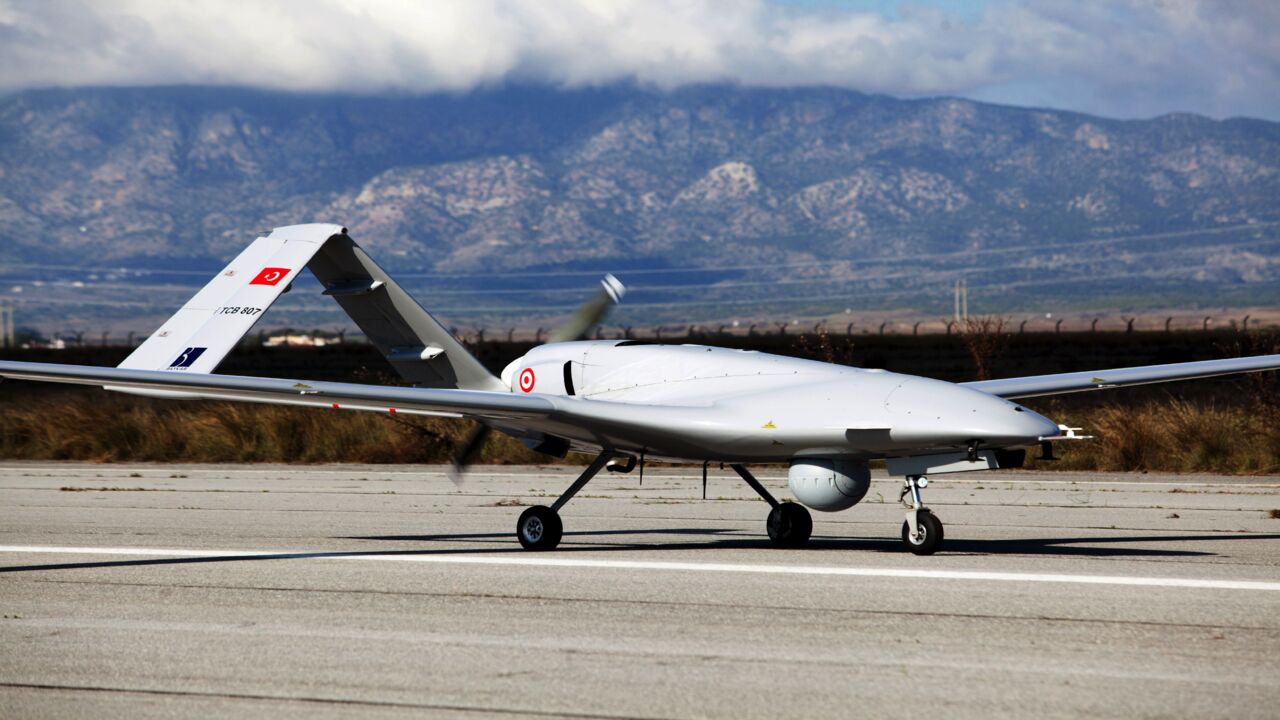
[[582, 563]]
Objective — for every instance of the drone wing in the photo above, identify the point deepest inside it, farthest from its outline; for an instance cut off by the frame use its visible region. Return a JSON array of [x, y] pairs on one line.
[[1038, 385], [447, 402]]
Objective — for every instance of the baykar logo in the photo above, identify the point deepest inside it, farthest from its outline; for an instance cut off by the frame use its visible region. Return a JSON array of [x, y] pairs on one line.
[[269, 276], [187, 357]]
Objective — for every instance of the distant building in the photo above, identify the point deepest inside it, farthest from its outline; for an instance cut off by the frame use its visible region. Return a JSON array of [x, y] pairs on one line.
[[303, 340]]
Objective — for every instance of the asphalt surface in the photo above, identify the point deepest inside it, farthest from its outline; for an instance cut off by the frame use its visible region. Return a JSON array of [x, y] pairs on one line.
[[219, 591]]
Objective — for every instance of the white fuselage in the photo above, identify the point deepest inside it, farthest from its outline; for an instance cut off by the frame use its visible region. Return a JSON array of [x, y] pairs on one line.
[[713, 403]]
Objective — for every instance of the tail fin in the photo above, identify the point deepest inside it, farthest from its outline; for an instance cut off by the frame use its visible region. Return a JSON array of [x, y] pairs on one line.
[[201, 334], [206, 329], [413, 341]]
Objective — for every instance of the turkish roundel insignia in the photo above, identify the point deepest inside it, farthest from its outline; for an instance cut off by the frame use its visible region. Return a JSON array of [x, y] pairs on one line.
[[269, 276]]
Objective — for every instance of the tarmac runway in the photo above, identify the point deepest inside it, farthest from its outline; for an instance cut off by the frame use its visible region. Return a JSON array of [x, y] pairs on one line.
[[231, 590]]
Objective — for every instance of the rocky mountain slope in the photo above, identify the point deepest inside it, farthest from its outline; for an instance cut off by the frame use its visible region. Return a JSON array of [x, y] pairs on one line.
[[821, 185]]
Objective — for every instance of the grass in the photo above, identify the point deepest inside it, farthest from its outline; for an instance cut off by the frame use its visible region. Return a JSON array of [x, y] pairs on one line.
[[101, 427], [1148, 433], [1169, 435]]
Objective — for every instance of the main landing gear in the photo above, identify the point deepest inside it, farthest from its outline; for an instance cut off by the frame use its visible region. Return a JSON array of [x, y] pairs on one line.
[[539, 527], [922, 532], [789, 524]]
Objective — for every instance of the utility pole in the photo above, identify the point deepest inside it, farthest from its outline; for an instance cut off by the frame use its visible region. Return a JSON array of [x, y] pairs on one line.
[[8, 326], [961, 312]]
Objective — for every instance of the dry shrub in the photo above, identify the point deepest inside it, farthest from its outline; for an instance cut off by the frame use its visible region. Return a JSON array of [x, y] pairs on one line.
[[985, 339], [822, 347], [1124, 440], [1172, 435], [110, 428]]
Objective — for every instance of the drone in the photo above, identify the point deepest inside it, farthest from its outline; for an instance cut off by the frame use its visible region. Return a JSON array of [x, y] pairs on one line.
[[620, 401]]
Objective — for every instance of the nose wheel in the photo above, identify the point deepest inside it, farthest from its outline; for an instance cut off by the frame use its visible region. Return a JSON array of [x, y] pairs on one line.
[[922, 532], [928, 535]]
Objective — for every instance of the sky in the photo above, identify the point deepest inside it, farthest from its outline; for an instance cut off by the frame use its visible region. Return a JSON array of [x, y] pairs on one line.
[[1116, 58]]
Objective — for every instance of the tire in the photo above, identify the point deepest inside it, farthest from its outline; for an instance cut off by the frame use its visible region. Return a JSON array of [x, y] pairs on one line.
[[929, 538], [789, 525], [539, 528]]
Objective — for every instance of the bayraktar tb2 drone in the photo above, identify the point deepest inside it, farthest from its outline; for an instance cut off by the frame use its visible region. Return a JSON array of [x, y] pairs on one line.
[[618, 400]]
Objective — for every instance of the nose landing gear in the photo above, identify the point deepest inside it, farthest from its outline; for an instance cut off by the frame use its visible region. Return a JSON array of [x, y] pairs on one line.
[[922, 532]]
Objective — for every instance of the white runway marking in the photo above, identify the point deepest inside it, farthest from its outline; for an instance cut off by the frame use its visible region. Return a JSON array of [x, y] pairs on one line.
[[549, 561]]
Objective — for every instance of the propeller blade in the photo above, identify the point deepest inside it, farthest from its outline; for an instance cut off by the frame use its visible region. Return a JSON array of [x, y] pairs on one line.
[[592, 312], [466, 452], [587, 316]]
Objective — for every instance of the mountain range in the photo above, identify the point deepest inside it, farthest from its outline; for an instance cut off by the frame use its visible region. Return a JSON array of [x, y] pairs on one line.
[[724, 199]]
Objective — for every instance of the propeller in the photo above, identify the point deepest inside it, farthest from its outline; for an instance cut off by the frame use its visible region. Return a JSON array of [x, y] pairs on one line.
[[592, 312], [588, 315], [466, 452]]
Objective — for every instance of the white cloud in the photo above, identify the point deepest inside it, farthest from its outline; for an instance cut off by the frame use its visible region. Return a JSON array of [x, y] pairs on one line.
[[1133, 58]]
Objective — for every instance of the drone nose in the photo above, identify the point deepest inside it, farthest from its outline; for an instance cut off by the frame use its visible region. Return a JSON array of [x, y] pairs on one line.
[[997, 421], [1026, 424], [931, 410]]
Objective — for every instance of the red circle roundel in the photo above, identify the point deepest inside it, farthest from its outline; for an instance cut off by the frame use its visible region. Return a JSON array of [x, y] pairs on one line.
[[526, 379]]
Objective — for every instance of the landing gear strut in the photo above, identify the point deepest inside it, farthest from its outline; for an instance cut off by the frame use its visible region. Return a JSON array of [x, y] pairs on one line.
[[922, 532], [789, 524], [539, 527]]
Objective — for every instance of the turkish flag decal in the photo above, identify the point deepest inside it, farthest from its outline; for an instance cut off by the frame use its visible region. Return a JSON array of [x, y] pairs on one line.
[[270, 276]]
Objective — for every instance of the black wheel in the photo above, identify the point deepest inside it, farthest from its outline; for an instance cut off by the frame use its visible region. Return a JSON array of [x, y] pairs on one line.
[[928, 534], [789, 525], [539, 528]]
